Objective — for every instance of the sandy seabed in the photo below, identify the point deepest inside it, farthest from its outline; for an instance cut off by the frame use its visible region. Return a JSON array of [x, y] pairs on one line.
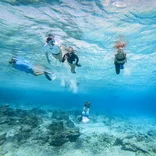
[[38, 132]]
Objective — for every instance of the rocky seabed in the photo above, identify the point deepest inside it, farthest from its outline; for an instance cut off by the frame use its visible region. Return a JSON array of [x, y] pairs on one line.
[[38, 132]]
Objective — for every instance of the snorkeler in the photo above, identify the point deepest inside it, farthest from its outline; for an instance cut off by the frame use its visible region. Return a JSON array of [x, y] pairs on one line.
[[23, 65], [120, 57], [85, 113], [52, 47], [72, 59]]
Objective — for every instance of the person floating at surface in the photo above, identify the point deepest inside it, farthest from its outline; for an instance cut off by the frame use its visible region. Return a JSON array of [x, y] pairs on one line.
[[72, 59], [85, 113], [27, 67], [52, 47], [120, 57]]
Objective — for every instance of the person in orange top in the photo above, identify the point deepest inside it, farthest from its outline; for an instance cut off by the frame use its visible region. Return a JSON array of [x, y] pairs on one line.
[[120, 57]]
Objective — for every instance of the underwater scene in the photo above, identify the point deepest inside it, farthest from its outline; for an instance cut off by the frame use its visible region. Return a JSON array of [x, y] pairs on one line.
[[78, 78]]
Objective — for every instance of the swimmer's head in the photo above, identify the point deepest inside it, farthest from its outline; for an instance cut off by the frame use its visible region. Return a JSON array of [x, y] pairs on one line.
[[120, 46], [70, 50], [50, 40], [12, 61]]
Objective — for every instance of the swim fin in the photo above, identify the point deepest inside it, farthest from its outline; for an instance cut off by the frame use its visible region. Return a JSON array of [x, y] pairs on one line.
[[80, 119], [47, 76], [78, 65]]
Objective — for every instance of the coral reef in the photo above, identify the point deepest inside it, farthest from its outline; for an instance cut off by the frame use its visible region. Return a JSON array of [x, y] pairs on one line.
[[54, 132]]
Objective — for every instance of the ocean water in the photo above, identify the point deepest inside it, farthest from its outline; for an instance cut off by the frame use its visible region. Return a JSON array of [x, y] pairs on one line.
[[91, 27]]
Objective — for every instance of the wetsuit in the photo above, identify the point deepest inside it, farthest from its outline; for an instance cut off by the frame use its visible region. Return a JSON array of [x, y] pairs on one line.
[[23, 66], [85, 113], [120, 59], [71, 58], [84, 117], [27, 67]]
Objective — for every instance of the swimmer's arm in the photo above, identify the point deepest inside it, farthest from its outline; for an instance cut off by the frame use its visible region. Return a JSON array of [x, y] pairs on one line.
[[77, 60], [125, 58], [46, 52], [47, 56], [64, 57], [115, 58]]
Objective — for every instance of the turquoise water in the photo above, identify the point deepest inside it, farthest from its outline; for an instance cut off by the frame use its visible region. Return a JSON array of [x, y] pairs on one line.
[[42, 118], [91, 27]]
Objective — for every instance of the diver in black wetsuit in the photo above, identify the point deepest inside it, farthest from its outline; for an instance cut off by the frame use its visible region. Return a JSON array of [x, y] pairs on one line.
[[72, 59], [120, 58]]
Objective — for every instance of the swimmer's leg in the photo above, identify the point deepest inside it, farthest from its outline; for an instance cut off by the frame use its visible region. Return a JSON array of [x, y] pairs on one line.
[[117, 68]]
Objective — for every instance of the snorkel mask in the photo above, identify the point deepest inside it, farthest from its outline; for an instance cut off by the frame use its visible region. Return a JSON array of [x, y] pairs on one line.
[[13, 60], [50, 40]]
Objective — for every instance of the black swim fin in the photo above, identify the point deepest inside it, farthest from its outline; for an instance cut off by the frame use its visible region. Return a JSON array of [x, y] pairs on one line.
[[78, 65], [80, 119], [47, 76]]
